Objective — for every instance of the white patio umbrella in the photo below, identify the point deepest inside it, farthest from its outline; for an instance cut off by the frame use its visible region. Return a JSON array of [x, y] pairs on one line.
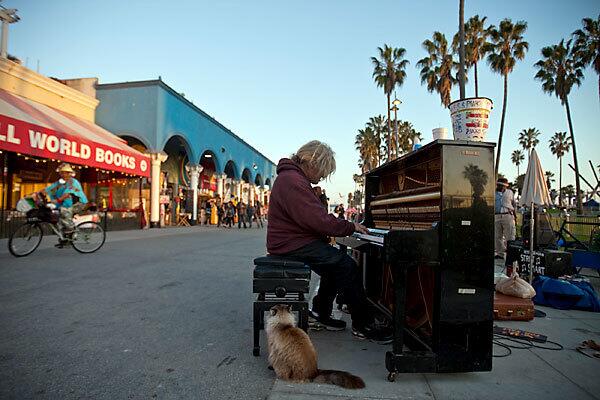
[[535, 192], [535, 189]]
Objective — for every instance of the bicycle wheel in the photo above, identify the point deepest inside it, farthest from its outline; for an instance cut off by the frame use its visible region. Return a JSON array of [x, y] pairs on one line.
[[25, 239], [88, 237]]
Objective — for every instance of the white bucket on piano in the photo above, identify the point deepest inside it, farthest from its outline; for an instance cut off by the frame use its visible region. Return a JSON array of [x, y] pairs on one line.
[[470, 118], [440, 133]]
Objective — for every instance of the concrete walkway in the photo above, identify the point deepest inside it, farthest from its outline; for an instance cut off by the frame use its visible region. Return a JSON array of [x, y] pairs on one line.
[[525, 374], [167, 314]]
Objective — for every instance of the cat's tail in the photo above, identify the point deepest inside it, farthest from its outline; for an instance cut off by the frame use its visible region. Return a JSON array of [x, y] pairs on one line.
[[340, 378]]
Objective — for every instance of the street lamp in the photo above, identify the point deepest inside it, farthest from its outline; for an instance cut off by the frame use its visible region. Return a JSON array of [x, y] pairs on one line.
[[7, 16], [394, 108]]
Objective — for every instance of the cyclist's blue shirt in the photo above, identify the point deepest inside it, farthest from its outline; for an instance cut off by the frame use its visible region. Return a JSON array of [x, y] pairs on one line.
[[72, 186]]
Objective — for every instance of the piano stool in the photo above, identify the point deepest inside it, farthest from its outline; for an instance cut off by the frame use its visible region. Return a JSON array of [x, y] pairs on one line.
[[278, 280]]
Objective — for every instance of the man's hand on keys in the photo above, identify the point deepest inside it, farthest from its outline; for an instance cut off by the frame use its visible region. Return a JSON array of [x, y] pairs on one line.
[[360, 228]]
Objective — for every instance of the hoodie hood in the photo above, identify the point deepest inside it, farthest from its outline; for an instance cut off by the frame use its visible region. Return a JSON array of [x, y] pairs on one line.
[[285, 164]]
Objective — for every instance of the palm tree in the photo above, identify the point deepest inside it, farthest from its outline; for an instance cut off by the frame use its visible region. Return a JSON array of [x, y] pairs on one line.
[[367, 144], [569, 192], [506, 47], [389, 72], [517, 158], [528, 139], [476, 36], [587, 44], [436, 69], [559, 145], [549, 178], [380, 127], [406, 136], [478, 178], [559, 70]]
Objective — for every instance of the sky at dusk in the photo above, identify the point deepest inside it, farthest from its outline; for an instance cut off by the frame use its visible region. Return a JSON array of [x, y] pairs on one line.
[[279, 74]]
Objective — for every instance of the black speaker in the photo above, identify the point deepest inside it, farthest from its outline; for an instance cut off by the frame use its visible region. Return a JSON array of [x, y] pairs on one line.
[[558, 263]]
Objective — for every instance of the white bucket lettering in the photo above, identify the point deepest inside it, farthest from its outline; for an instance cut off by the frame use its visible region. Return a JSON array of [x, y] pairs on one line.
[[470, 118]]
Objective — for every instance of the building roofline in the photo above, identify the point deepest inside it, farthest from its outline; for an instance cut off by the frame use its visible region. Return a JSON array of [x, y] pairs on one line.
[[159, 82]]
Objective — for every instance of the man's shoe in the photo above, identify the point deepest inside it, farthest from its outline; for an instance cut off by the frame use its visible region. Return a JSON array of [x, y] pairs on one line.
[[374, 332], [331, 324]]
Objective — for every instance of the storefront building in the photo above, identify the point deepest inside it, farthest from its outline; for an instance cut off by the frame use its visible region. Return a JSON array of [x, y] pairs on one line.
[[194, 158], [44, 122]]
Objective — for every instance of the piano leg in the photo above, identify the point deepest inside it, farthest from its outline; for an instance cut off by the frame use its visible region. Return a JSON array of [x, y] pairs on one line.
[[400, 308], [419, 358]]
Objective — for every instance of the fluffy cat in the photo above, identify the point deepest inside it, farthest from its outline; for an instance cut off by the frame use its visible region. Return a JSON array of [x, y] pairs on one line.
[[293, 356]]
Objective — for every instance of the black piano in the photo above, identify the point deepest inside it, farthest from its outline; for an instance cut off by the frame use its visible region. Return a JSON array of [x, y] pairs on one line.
[[428, 264]]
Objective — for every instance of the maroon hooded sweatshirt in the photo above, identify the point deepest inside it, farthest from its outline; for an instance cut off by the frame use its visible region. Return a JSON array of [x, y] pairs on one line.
[[296, 216]]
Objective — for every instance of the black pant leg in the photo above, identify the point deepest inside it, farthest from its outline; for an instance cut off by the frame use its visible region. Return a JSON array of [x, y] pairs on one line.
[[323, 300], [340, 275]]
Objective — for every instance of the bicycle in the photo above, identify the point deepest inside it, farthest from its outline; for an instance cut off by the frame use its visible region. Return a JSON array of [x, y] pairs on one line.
[[88, 236]]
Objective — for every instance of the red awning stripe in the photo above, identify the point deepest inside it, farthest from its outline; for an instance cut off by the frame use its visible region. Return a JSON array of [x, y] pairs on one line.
[[35, 129], [36, 116], [100, 133]]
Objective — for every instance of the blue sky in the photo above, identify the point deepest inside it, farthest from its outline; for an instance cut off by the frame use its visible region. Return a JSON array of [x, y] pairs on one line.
[[280, 73]]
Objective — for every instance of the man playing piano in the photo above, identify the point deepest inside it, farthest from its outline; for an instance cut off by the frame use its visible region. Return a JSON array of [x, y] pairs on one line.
[[299, 227]]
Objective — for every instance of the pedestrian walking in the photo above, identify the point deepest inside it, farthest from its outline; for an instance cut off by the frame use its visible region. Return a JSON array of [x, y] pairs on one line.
[[504, 218], [250, 214], [229, 213], [220, 213], [207, 211], [258, 214], [241, 214]]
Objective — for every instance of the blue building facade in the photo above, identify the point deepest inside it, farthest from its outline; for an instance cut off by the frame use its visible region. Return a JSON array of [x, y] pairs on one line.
[[152, 116]]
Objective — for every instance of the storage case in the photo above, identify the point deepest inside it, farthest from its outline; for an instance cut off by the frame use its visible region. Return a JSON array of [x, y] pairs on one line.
[[509, 308]]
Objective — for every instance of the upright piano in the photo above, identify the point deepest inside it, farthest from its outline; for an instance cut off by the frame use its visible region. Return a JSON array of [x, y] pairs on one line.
[[428, 263]]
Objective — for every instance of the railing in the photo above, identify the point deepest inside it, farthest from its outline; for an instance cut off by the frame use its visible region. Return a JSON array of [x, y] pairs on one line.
[[121, 220], [582, 232], [110, 220]]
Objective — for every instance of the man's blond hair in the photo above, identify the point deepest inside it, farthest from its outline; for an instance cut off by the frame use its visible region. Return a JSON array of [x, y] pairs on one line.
[[318, 155]]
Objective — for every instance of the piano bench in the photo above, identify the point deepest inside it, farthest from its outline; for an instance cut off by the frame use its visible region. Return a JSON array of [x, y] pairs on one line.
[[278, 280]]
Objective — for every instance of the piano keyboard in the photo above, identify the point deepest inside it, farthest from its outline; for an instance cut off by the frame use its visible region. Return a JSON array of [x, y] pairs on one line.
[[369, 238]]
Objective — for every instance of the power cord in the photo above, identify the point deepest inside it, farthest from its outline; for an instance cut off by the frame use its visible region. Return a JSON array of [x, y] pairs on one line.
[[523, 344]]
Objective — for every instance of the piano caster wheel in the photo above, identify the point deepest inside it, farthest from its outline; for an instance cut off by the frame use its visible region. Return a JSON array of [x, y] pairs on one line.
[[256, 351], [392, 376]]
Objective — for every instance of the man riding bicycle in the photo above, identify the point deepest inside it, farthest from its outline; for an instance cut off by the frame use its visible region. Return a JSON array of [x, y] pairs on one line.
[[67, 194]]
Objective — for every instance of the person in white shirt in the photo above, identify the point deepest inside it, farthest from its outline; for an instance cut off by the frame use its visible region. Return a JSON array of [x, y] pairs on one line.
[[504, 217]]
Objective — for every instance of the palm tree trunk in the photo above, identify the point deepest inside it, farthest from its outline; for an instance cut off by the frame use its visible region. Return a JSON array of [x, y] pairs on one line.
[[560, 181], [389, 130], [577, 186], [501, 125], [476, 84]]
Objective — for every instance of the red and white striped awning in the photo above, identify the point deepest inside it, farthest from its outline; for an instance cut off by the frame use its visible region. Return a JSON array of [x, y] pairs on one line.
[[35, 129]]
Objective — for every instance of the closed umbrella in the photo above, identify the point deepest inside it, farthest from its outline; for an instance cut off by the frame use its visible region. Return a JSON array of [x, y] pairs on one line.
[[535, 192], [535, 189]]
